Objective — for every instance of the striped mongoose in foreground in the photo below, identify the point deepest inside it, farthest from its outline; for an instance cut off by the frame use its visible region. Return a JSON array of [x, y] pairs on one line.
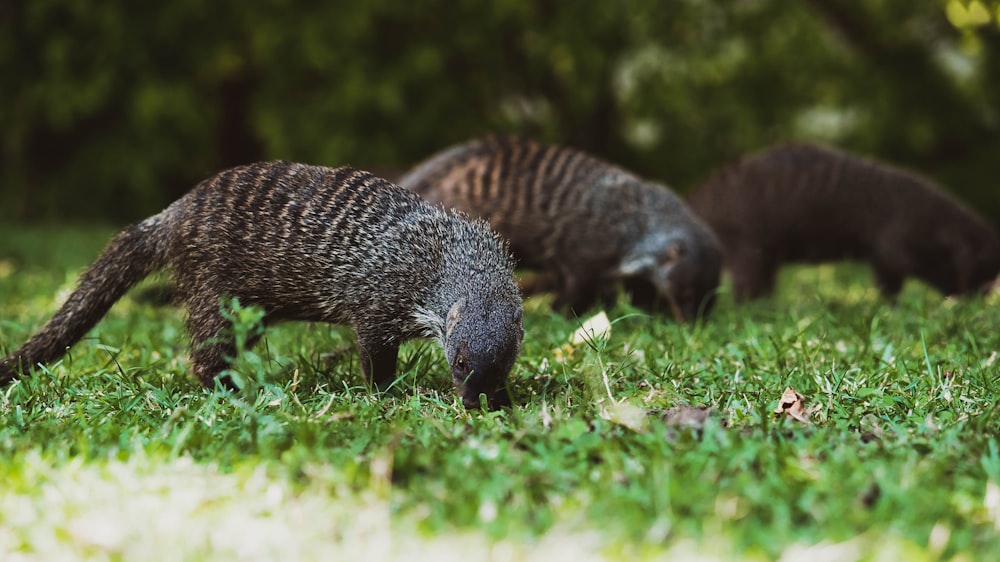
[[581, 222], [799, 202], [317, 244]]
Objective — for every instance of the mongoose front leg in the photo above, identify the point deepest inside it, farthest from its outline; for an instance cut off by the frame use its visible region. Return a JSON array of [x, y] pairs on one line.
[[889, 263], [537, 283], [378, 360], [893, 258], [575, 294], [754, 273], [889, 282], [579, 298]]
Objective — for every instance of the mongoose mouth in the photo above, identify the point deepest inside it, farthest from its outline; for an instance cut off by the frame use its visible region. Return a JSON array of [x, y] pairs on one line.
[[472, 396], [499, 399]]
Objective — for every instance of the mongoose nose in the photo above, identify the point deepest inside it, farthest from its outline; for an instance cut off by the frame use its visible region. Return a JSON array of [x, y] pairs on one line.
[[472, 402]]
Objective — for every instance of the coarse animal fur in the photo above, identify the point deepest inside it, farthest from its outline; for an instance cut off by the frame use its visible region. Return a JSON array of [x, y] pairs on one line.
[[582, 222], [800, 202], [335, 245]]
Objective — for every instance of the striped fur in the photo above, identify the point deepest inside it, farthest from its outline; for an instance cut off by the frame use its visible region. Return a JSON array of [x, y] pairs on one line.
[[800, 202], [582, 222], [319, 244]]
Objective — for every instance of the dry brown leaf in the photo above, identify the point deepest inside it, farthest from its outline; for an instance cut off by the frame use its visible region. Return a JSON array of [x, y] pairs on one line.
[[792, 405], [687, 418]]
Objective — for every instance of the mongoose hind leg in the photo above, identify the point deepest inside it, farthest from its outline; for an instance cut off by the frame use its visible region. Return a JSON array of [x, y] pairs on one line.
[[378, 360], [212, 344], [890, 262]]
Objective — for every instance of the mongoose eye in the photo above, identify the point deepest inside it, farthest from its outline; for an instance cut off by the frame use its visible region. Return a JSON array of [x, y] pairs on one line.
[[460, 362]]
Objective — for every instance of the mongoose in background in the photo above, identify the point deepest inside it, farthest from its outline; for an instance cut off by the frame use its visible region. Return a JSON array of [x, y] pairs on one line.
[[801, 202], [318, 244], [583, 223]]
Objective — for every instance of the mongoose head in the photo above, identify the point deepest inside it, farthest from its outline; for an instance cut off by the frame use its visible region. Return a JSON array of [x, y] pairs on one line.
[[978, 275], [985, 263], [482, 340], [971, 260], [683, 265]]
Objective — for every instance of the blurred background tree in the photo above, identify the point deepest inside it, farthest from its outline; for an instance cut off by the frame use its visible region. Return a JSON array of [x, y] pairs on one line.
[[113, 109]]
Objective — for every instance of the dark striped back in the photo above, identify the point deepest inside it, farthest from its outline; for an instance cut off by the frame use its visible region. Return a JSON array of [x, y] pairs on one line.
[[804, 202], [568, 212]]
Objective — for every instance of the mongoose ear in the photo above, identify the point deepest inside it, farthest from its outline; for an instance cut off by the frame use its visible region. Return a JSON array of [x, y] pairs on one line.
[[652, 252], [645, 263], [454, 314], [674, 252]]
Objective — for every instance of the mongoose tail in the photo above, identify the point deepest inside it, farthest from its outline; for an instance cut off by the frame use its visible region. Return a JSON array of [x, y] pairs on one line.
[[129, 258]]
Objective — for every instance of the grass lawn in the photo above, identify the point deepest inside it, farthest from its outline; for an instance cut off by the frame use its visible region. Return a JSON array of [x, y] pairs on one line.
[[116, 453]]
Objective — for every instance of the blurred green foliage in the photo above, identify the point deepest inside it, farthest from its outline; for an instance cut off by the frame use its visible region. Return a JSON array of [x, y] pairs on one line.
[[113, 109]]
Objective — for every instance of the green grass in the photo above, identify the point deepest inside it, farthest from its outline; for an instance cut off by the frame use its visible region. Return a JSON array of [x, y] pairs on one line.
[[116, 453]]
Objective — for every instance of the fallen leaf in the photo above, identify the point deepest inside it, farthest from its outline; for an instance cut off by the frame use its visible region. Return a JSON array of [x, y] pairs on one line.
[[791, 404], [687, 416], [992, 503], [597, 327], [546, 416], [625, 414], [991, 291]]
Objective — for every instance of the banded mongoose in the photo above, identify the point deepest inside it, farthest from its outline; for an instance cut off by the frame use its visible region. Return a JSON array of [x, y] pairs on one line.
[[582, 222], [799, 202], [335, 245]]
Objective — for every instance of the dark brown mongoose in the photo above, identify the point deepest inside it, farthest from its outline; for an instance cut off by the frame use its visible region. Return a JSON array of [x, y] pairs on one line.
[[582, 222], [318, 244], [800, 202]]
